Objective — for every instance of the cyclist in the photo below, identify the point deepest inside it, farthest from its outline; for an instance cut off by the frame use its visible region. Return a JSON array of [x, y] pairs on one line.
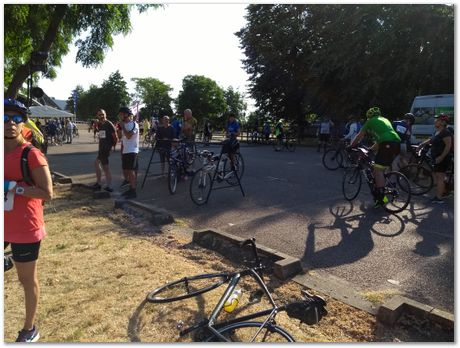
[[324, 132], [404, 130], [387, 144], [279, 134], [441, 154], [353, 127], [266, 131], [231, 145]]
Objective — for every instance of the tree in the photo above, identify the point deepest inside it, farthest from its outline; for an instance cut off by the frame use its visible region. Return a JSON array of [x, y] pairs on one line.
[[50, 29], [203, 96], [341, 59], [155, 94], [110, 96], [235, 103]]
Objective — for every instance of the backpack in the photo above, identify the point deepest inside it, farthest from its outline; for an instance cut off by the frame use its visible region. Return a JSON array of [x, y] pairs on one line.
[[33, 135], [25, 170]]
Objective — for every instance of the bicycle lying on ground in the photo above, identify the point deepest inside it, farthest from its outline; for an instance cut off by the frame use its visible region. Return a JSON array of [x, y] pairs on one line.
[[200, 185], [309, 310], [397, 193]]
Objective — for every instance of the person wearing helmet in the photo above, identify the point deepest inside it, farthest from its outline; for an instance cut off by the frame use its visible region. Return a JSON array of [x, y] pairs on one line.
[[231, 145], [441, 154], [387, 143], [404, 130], [24, 225]]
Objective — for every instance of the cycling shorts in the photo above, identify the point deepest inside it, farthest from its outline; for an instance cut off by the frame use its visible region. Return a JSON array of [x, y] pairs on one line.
[[230, 146], [388, 150], [324, 137], [129, 161], [24, 252], [443, 166]]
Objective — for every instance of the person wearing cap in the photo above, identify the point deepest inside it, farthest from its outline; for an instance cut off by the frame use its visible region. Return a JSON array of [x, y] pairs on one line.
[[130, 150], [24, 226], [441, 154], [387, 144]]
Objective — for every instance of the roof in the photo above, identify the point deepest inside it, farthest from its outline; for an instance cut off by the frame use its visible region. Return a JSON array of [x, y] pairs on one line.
[[48, 112]]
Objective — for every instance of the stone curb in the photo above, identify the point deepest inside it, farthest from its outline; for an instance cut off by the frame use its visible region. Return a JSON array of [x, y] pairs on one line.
[[158, 216], [285, 266], [389, 312], [61, 178]]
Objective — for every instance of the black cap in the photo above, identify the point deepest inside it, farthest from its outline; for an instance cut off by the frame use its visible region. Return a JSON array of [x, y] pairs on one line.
[[125, 110]]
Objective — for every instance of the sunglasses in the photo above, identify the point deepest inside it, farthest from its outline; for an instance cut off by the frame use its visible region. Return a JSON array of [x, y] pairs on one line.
[[15, 118]]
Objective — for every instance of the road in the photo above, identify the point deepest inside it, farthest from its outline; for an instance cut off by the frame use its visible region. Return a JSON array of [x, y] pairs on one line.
[[294, 205]]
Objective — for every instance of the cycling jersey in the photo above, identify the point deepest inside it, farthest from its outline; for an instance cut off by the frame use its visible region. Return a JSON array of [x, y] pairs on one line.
[[381, 129], [233, 128]]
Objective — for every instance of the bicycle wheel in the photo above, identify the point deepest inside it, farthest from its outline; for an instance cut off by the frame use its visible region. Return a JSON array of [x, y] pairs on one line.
[[229, 175], [190, 153], [332, 159], [397, 192], [200, 185], [351, 184], [246, 332], [187, 287], [173, 173], [420, 178]]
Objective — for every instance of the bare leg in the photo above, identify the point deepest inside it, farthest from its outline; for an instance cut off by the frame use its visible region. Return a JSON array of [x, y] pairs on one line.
[[27, 275], [97, 166], [108, 175]]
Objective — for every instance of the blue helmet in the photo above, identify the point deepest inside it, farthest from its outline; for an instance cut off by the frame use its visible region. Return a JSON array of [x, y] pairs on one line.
[[10, 104]]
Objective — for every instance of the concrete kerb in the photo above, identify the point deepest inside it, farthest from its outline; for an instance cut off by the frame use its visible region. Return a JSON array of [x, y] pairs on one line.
[[389, 312], [284, 265], [158, 216], [61, 178]]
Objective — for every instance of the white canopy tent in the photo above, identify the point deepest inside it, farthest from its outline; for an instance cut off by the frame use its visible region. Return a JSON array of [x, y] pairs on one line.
[[47, 112]]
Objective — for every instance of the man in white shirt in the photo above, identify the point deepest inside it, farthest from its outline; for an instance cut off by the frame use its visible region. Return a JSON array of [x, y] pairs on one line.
[[130, 150], [353, 128]]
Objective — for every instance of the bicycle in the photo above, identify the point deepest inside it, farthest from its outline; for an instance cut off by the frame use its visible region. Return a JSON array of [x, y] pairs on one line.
[[338, 157], [148, 140], [200, 185], [178, 164], [309, 310], [284, 143], [397, 190]]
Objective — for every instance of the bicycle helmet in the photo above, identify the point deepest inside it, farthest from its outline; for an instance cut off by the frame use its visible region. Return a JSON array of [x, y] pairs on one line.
[[443, 117], [373, 112], [409, 117], [10, 104]]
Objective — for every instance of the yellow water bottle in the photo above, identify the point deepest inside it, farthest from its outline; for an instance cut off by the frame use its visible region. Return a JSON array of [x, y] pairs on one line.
[[232, 301]]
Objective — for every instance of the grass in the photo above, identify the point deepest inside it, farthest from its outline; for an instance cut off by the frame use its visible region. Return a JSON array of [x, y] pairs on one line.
[[97, 264]]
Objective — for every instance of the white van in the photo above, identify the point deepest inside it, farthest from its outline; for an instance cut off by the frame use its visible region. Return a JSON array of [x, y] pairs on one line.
[[424, 108]]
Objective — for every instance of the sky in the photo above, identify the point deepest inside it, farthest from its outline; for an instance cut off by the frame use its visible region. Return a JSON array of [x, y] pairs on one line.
[[168, 44]]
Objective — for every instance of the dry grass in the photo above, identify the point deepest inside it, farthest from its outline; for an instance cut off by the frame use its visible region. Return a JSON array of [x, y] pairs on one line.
[[97, 264]]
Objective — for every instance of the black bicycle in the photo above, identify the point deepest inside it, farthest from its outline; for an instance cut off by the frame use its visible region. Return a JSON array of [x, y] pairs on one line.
[[338, 157], [285, 142], [179, 162], [397, 193], [309, 310]]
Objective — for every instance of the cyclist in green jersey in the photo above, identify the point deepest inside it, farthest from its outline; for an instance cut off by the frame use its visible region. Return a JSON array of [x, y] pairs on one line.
[[387, 143]]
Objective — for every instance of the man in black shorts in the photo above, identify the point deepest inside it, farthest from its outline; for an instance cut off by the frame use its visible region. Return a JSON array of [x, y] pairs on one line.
[[107, 138]]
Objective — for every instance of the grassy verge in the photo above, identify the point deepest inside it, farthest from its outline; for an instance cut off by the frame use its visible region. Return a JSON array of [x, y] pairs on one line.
[[97, 264]]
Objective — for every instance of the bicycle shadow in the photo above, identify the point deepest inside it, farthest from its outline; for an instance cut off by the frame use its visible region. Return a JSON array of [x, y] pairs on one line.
[[355, 233]]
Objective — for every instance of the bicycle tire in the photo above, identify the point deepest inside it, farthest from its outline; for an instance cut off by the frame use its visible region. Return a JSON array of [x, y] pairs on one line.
[[351, 183], [232, 180], [420, 178], [187, 287], [397, 191], [332, 159], [245, 331], [200, 185], [173, 172], [190, 154]]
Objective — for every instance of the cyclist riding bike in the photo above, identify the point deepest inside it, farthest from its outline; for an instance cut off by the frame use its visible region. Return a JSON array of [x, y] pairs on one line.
[[387, 144], [279, 134]]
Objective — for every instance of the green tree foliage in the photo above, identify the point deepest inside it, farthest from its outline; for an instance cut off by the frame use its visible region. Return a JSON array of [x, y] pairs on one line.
[[112, 94], [341, 59], [155, 94], [204, 97], [52, 28], [235, 103]]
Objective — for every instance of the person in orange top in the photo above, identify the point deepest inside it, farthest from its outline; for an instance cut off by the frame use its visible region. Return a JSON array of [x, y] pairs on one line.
[[24, 226]]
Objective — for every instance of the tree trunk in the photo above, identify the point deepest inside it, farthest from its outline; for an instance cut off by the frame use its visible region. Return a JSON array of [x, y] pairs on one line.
[[23, 71]]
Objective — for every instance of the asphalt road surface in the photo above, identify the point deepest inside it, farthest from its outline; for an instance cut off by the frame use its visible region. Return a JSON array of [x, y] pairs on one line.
[[294, 205]]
